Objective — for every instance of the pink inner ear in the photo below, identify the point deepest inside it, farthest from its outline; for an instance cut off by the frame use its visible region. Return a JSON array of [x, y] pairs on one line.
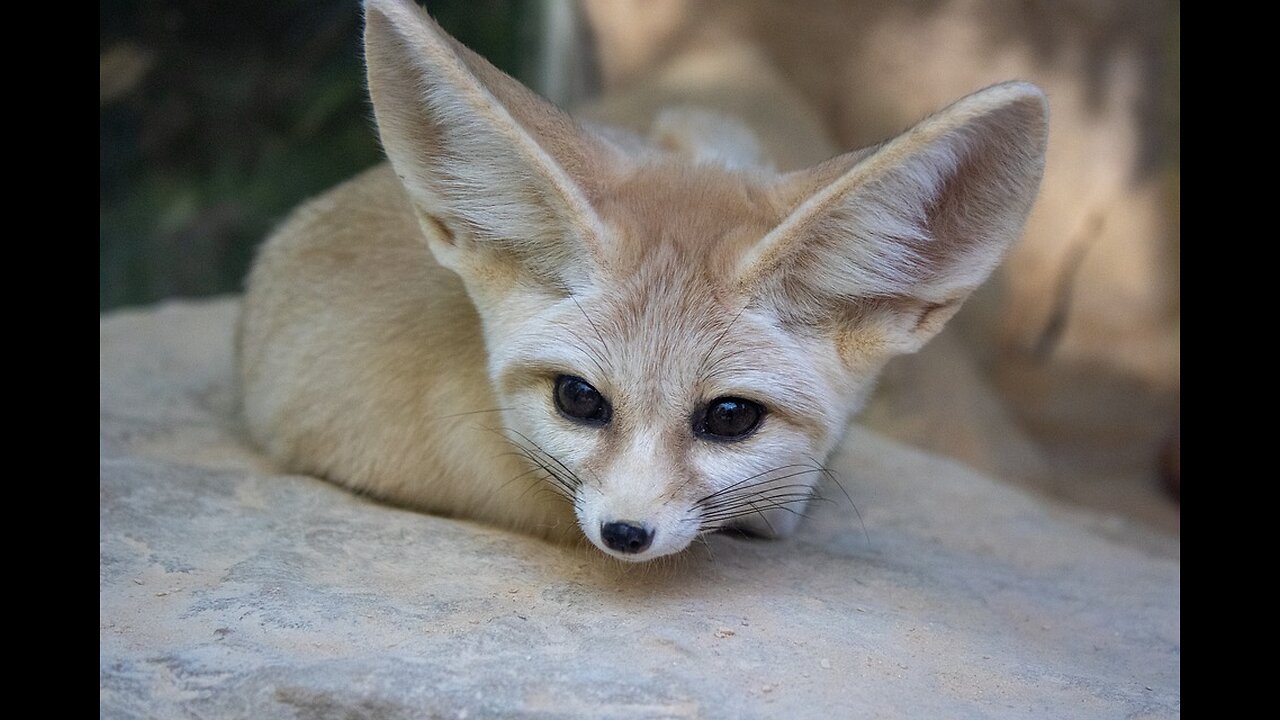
[[982, 203], [486, 162], [925, 217]]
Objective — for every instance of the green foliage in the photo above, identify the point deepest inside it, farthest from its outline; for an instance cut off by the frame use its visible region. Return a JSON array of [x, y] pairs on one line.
[[218, 117]]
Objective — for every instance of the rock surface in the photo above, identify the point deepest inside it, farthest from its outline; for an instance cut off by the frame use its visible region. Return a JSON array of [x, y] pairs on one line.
[[228, 590]]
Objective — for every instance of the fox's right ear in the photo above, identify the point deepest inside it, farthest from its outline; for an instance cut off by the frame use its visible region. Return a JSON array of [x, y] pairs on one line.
[[499, 176]]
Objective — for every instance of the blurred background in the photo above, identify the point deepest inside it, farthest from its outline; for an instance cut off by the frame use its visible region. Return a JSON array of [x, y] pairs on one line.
[[1063, 373], [216, 117]]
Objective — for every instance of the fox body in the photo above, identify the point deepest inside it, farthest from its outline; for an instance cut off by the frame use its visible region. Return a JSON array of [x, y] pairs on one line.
[[573, 330]]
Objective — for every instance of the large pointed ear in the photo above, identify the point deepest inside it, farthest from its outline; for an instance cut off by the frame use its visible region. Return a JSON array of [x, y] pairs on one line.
[[891, 241], [499, 176]]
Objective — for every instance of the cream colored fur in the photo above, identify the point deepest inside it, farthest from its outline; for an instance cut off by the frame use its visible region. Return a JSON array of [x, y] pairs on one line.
[[402, 334], [1063, 372]]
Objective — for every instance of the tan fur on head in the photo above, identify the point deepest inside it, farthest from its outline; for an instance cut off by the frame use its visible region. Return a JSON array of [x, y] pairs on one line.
[[669, 273], [1075, 343]]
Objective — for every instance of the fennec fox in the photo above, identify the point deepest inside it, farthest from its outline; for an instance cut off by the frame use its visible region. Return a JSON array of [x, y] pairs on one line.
[[569, 329]]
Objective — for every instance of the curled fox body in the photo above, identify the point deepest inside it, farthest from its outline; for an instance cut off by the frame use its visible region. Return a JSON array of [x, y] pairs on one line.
[[575, 330]]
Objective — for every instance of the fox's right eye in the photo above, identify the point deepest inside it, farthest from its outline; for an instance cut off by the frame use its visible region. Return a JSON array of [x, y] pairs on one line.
[[578, 400]]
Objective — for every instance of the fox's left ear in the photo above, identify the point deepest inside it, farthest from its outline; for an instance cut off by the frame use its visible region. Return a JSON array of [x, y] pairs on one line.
[[892, 240]]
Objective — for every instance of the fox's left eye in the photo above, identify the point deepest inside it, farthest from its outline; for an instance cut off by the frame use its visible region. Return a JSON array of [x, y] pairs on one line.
[[728, 418]]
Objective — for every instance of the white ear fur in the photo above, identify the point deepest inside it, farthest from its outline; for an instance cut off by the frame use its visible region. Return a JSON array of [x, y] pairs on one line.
[[474, 149], [910, 227]]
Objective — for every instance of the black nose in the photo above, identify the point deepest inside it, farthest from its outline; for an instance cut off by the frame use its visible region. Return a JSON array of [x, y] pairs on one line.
[[626, 537]]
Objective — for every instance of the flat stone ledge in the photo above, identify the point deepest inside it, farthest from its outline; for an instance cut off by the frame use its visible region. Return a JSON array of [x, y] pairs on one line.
[[228, 590]]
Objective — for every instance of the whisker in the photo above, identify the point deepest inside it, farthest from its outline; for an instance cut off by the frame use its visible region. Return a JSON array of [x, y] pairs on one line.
[[593, 355], [590, 322], [553, 458], [753, 495], [738, 484], [765, 518], [746, 511], [715, 343], [562, 486], [703, 539], [800, 488], [779, 502], [545, 490], [742, 497], [471, 412], [563, 481], [831, 474], [538, 484]]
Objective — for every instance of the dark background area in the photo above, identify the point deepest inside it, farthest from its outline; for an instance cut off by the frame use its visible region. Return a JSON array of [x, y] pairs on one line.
[[217, 117]]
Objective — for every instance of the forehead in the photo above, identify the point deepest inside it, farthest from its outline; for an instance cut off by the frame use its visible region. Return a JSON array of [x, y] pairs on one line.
[[666, 340], [664, 325], [669, 336], [666, 319], [677, 233], [707, 215]]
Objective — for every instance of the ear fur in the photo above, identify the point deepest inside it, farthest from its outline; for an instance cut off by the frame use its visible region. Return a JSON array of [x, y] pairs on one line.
[[898, 236], [494, 171]]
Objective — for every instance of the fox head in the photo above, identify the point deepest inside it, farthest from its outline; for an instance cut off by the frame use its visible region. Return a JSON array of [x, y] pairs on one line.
[[677, 343]]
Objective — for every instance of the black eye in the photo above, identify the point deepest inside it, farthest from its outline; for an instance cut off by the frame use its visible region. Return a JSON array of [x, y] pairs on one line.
[[578, 400], [728, 418]]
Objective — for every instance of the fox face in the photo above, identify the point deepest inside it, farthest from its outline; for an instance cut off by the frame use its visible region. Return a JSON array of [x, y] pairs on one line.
[[662, 407], [677, 341]]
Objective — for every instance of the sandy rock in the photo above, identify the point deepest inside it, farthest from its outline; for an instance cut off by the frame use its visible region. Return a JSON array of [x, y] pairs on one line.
[[229, 590]]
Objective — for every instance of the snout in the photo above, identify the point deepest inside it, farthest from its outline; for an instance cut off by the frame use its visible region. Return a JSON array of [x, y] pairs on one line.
[[635, 522], [633, 537], [626, 536]]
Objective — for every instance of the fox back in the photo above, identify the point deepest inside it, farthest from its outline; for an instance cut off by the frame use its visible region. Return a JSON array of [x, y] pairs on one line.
[[576, 330]]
